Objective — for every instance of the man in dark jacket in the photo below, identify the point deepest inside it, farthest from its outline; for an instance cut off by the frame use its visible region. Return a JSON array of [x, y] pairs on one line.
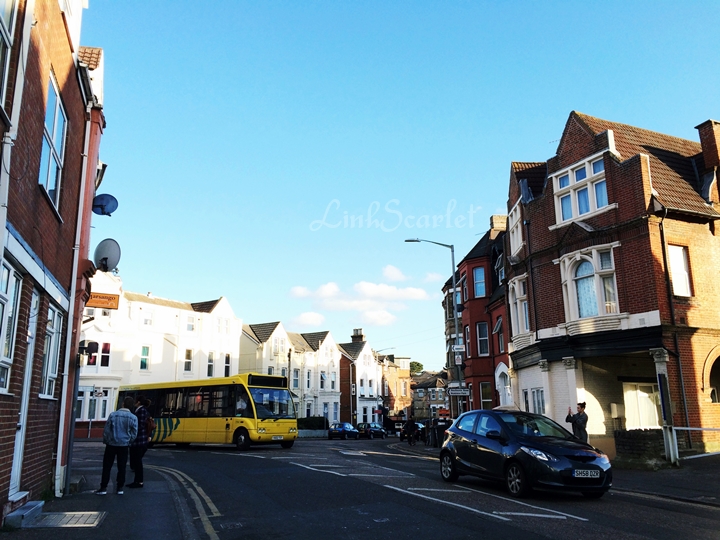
[[140, 445], [120, 430]]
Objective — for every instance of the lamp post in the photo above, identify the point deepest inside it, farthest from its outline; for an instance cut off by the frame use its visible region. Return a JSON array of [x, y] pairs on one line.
[[458, 370]]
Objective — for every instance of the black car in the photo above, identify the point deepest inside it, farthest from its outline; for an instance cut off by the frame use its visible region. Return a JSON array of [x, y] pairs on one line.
[[525, 451], [371, 430]]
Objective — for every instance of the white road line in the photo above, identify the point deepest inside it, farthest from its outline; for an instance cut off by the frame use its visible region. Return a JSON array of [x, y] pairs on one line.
[[529, 515], [523, 504], [378, 475], [351, 453], [441, 501], [239, 455], [316, 470], [438, 489]]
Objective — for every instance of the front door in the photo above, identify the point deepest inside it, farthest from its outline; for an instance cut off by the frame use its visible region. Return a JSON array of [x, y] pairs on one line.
[[24, 398]]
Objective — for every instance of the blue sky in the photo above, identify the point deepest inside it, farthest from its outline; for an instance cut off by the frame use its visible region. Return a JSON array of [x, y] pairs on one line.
[[279, 153]]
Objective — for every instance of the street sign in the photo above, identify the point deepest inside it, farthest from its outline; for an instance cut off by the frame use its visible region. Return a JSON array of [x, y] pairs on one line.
[[458, 391], [458, 348], [86, 388], [102, 300], [458, 359]]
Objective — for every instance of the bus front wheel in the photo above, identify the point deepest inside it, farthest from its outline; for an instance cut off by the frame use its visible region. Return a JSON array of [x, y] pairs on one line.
[[242, 439]]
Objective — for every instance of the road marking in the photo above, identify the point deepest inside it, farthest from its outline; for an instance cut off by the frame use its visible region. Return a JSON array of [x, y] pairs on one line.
[[351, 453], [316, 470], [441, 501], [379, 475], [239, 455], [409, 456], [438, 489], [522, 503], [180, 476], [529, 515]]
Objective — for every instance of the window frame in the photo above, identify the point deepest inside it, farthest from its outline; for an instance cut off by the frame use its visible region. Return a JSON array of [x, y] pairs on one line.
[[680, 276], [49, 142], [604, 281], [480, 339], [145, 355], [580, 178], [211, 364], [481, 281], [515, 228], [51, 352], [10, 292], [188, 361]]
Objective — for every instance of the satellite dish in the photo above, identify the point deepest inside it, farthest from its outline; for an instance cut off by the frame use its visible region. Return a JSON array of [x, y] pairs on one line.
[[104, 205], [107, 255]]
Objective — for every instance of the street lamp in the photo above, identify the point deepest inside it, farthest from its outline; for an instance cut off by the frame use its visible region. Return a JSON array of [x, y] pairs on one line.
[[458, 370]]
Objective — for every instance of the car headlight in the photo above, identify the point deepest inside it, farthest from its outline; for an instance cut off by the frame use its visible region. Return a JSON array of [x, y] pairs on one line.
[[538, 454]]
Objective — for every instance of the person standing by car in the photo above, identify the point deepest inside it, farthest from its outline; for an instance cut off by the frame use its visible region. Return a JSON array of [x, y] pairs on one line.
[[140, 445], [579, 422], [410, 429], [120, 430]]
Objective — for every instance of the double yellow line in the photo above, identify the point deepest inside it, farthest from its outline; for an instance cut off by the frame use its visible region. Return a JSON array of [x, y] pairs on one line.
[[197, 494]]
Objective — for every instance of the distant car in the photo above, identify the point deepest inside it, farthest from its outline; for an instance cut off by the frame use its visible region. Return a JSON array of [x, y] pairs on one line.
[[342, 430], [525, 451], [419, 432], [371, 430]]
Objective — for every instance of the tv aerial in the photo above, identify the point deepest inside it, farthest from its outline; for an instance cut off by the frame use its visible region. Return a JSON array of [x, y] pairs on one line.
[[107, 255], [104, 204]]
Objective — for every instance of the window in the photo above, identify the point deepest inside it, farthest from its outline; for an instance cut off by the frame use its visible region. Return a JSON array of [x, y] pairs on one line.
[[105, 355], [188, 360], [526, 401], [449, 304], [309, 377], [147, 317], [91, 405], [580, 191], [271, 370], [227, 365], [404, 388], [497, 329], [371, 388], [53, 146], [51, 353], [211, 364], [7, 21], [333, 377], [519, 305], [467, 341], [433, 394], [642, 406], [9, 302], [190, 324], [483, 341], [365, 414], [538, 400], [336, 411], [362, 387], [144, 358], [589, 283], [308, 410], [479, 281], [500, 269], [486, 395], [464, 287], [679, 270], [515, 228], [296, 378], [278, 345], [323, 377]]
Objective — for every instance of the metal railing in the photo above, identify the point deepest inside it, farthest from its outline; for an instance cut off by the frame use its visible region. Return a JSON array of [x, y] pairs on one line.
[[671, 445]]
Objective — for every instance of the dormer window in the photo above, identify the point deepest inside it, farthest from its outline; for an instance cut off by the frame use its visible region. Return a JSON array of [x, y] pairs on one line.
[[580, 190]]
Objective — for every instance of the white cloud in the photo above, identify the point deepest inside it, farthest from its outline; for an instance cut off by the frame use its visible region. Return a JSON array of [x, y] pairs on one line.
[[432, 277], [300, 292], [389, 292], [309, 318], [393, 273], [328, 290], [378, 317]]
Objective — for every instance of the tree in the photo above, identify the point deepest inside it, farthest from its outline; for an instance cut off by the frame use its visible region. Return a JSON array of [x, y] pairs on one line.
[[415, 367]]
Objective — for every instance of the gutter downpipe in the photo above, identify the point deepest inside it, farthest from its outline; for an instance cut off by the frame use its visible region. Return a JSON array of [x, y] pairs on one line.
[[66, 403], [668, 285]]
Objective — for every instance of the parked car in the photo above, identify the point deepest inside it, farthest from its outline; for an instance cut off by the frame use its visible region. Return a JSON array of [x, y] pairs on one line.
[[342, 430], [525, 451], [419, 432], [371, 430]]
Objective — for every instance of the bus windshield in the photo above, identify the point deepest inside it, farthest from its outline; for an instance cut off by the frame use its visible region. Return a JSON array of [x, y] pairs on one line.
[[273, 403]]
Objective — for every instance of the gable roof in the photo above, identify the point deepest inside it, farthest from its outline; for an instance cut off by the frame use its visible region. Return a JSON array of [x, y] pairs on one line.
[[315, 339], [533, 172], [137, 297], [205, 307], [298, 342], [263, 331], [674, 162], [352, 350]]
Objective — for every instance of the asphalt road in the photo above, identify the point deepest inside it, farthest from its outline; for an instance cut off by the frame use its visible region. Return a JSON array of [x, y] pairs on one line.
[[324, 490]]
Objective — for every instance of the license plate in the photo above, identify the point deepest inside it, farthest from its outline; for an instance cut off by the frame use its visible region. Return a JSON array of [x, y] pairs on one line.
[[277, 438], [586, 473]]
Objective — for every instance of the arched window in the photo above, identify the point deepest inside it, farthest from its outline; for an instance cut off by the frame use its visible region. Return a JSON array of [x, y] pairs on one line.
[[715, 382], [585, 287]]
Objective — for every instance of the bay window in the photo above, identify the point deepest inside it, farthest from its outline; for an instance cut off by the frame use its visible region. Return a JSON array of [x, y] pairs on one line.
[[580, 190], [589, 283]]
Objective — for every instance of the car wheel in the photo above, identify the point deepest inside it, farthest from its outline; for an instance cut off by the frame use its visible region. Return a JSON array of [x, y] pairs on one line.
[[384, 435], [242, 440], [447, 468], [515, 480], [370, 435], [593, 494], [344, 436]]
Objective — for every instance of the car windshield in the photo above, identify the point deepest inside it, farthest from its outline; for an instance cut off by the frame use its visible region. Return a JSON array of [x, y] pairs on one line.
[[534, 426], [272, 403]]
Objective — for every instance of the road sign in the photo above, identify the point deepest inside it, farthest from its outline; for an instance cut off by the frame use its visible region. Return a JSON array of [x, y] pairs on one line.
[[458, 359], [458, 348], [458, 391], [86, 388]]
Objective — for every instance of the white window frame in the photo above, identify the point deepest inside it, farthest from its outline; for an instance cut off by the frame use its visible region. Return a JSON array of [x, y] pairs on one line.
[[10, 289], [515, 228], [144, 355], [323, 378], [500, 269], [477, 281], [296, 378], [53, 147], [568, 183], [308, 380], [480, 340], [188, 362], [211, 364], [518, 300], [227, 365], [271, 370], [538, 400], [51, 353], [333, 380], [486, 395], [679, 270], [7, 28], [604, 280], [190, 323]]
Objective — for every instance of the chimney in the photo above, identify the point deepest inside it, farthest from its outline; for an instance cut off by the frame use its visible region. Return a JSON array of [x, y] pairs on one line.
[[710, 142], [357, 335], [498, 223]]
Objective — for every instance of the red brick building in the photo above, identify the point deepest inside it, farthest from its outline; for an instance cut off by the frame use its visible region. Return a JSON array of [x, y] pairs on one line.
[[52, 124], [486, 364], [611, 249]]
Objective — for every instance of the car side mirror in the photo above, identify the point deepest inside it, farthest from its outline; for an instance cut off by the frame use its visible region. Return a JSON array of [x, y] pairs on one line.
[[494, 435]]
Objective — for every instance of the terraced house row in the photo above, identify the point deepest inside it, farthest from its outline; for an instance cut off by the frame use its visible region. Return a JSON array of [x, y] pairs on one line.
[[608, 275]]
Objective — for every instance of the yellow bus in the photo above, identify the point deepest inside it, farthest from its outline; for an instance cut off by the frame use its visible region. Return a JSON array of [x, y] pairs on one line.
[[241, 410]]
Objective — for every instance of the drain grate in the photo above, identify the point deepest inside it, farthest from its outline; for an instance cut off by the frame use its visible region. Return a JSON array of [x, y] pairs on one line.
[[66, 519]]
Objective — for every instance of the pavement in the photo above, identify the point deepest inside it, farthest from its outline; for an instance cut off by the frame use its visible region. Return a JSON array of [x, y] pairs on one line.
[[161, 509]]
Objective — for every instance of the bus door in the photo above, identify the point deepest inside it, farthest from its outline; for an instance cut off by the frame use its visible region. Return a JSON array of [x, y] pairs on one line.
[[221, 412], [197, 407]]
